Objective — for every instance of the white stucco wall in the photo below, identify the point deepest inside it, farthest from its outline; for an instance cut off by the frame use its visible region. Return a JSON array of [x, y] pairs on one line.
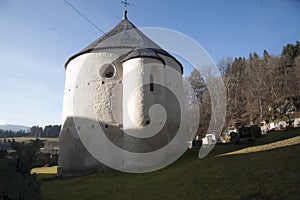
[[136, 73], [83, 78], [88, 99], [119, 101]]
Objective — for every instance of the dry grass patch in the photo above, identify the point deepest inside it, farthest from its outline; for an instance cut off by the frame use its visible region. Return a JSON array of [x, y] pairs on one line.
[[44, 170], [274, 145]]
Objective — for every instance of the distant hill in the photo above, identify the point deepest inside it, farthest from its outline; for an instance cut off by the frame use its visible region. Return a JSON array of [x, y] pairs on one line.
[[14, 127]]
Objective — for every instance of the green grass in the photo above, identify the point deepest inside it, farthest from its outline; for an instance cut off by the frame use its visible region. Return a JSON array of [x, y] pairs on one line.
[[272, 174]]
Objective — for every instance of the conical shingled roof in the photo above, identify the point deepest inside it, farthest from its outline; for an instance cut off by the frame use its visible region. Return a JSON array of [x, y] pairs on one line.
[[125, 35]]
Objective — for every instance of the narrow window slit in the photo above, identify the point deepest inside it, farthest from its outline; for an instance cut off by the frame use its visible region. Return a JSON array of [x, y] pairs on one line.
[[151, 83]]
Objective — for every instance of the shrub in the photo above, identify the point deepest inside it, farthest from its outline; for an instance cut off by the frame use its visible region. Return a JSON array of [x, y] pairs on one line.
[[15, 185]]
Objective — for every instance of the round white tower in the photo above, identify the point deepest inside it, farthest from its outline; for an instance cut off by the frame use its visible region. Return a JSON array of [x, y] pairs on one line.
[[118, 83]]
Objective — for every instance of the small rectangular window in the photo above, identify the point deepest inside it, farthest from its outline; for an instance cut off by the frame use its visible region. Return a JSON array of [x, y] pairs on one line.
[[151, 83], [151, 87]]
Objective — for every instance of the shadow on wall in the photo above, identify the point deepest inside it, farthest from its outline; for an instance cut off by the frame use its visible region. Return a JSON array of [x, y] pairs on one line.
[[76, 160]]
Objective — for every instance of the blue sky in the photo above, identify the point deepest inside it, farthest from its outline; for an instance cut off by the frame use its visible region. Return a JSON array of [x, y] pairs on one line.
[[38, 36]]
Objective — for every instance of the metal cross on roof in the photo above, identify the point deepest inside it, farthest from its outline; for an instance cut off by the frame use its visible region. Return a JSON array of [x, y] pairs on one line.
[[125, 4]]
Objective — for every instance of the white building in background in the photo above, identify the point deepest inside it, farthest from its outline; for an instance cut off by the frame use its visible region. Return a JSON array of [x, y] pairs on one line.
[[296, 122], [209, 139]]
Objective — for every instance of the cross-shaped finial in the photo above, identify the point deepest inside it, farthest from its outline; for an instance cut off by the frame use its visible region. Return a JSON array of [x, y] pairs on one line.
[[125, 3], [125, 8]]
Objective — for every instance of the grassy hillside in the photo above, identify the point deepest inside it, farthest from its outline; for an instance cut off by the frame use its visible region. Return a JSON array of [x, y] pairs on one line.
[[268, 172]]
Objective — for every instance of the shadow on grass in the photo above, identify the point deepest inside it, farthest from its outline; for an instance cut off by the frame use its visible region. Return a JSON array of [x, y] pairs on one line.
[[261, 175], [219, 149], [272, 174]]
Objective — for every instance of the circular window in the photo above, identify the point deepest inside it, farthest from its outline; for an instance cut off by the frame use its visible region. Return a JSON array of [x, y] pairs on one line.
[[107, 71]]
